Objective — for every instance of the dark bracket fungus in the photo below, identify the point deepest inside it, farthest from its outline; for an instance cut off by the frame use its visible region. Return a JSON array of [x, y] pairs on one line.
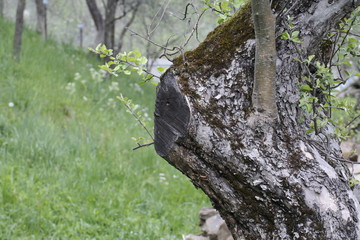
[[172, 114]]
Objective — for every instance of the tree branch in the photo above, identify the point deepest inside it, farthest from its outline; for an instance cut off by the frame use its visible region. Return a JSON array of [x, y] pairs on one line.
[[263, 96]]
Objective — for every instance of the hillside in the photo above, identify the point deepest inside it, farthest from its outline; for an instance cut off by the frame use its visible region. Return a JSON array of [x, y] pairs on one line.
[[67, 170]]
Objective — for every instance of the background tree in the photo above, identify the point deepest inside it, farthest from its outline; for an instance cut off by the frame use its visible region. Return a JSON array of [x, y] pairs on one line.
[[266, 176], [19, 25], [105, 23], [41, 18]]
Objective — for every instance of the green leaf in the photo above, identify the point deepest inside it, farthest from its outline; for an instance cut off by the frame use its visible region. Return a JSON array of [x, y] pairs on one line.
[[285, 35], [310, 130], [311, 57], [305, 87], [143, 60], [296, 40], [136, 53], [161, 69], [295, 34]]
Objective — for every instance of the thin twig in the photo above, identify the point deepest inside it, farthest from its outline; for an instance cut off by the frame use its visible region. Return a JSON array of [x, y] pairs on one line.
[[175, 50], [151, 31], [343, 40], [352, 120], [139, 120], [143, 145]]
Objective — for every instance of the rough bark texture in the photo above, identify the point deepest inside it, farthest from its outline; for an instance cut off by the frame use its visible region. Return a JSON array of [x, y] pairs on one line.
[[268, 180], [19, 25], [41, 18]]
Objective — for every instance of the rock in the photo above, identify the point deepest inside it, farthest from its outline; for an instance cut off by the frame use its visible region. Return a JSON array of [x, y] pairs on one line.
[[206, 213], [224, 233], [212, 226], [350, 150], [195, 237]]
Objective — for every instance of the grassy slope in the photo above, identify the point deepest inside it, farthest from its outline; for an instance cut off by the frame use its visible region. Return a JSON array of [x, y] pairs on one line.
[[66, 166]]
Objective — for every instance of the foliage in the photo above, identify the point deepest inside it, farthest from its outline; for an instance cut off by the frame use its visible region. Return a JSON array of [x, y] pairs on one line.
[[67, 170], [320, 86], [224, 9], [125, 63]]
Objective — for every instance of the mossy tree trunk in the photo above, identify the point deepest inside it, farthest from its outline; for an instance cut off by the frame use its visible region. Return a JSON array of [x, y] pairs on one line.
[[268, 179], [19, 25]]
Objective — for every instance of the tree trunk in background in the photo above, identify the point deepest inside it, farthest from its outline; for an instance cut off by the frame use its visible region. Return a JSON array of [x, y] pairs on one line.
[[41, 18], [109, 38], [19, 25], [1, 8], [127, 25], [267, 178], [98, 20]]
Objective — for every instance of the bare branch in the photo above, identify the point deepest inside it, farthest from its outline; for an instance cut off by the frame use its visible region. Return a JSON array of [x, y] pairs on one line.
[[143, 145], [164, 7]]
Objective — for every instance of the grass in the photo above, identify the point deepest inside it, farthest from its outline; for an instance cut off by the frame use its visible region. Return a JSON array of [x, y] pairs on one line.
[[67, 170]]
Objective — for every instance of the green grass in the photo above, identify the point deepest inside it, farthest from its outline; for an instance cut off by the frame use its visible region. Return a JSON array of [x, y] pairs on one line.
[[67, 170]]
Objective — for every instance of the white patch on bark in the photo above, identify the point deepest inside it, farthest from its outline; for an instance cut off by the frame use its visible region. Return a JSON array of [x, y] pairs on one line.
[[345, 213], [250, 43], [324, 201], [357, 208], [203, 136], [225, 148], [330, 171], [306, 153]]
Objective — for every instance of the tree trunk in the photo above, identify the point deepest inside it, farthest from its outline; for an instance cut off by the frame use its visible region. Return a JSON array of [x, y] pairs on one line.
[[268, 179], [19, 28], [98, 20], [127, 25], [41, 18], [109, 38]]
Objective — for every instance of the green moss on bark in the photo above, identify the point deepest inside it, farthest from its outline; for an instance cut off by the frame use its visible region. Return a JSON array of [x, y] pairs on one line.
[[214, 52]]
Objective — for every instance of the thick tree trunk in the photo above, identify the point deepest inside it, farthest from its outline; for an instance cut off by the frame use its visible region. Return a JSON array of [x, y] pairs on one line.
[[19, 25], [41, 18], [98, 20], [269, 180]]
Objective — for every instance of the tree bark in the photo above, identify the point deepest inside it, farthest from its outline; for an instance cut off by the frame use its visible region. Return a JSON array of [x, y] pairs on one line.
[[109, 38], [41, 18], [98, 20], [263, 96], [19, 28], [268, 179]]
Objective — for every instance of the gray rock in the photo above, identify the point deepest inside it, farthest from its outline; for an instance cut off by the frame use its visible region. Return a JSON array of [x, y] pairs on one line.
[[212, 226], [195, 237]]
